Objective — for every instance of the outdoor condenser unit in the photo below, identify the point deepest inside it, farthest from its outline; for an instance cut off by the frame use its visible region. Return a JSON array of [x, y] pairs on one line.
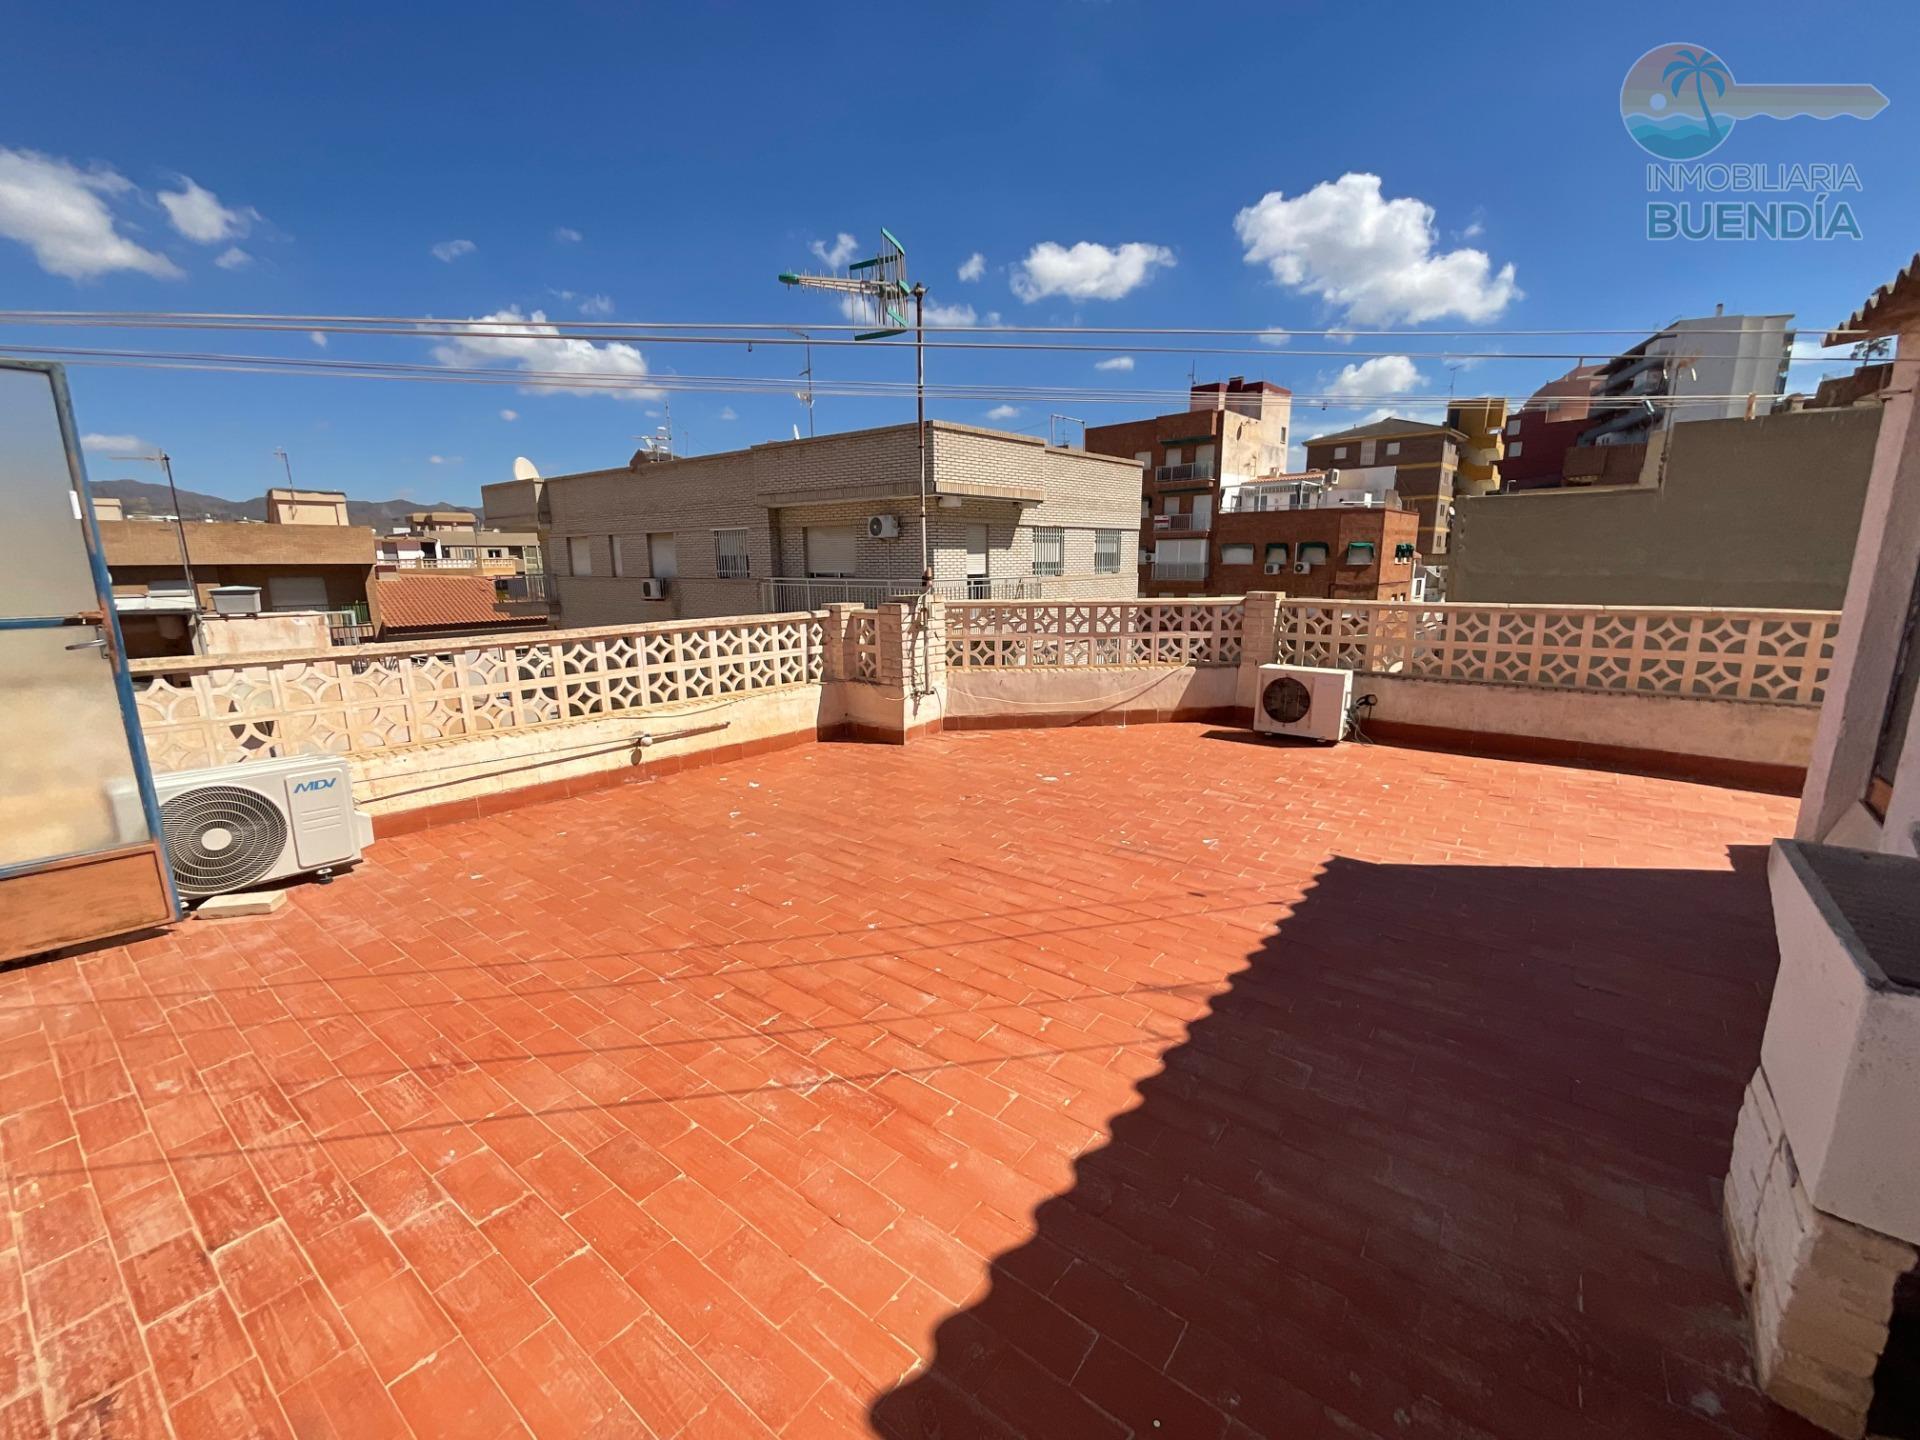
[[883, 527], [241, 825], [1303, 701], [653, 589]]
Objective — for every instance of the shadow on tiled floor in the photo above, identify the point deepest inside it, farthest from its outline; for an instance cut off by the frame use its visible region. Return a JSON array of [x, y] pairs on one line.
[[1444, 1160]]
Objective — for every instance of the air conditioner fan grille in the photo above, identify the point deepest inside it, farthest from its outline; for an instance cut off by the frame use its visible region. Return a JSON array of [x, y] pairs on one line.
[[221, 838], [1286, 700]]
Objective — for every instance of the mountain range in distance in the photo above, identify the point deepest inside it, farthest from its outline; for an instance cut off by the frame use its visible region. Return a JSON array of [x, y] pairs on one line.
[[146, 497]]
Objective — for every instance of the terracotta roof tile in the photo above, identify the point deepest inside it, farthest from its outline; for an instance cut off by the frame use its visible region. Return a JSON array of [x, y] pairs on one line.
[[442, 602]]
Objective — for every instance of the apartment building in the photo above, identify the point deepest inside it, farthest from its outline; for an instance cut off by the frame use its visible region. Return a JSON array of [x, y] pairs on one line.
[[295, 566], [1415, 461], [797, 523], [1713, 367], [1192, 462], [1312, 540], [1541, 433]]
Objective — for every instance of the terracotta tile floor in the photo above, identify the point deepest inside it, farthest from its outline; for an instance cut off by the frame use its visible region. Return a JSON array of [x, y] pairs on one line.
[[1062, 1083]]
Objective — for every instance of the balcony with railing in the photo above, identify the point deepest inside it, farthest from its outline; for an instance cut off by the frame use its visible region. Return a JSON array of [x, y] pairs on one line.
[[1193, 470], [1184, 524], [730, 1056], [1179, 571]]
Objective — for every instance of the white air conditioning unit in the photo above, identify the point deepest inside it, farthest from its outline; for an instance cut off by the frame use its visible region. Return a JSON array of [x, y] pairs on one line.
[[1303, 567], [653, 589], [1276, 567], [240, 825], [1303, 701], [883, 527]]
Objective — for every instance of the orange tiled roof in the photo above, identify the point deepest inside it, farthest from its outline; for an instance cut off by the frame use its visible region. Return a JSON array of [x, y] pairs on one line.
[[441, 602]]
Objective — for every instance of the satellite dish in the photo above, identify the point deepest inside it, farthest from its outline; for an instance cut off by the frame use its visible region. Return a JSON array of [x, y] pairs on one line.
[[523, 469]]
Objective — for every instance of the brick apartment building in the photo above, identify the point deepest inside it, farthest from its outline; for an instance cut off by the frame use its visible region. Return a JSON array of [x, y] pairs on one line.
[[1004, 510], [1192, 462], [1286, 535], [1416, 461]]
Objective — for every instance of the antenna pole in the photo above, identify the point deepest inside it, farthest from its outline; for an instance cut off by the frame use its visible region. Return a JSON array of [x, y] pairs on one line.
[[920, 403], [180, 528]]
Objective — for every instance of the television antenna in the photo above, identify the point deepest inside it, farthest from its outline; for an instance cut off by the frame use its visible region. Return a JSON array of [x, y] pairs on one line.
[[1058, 430], [805, 397], [165, 462], [877, 291]]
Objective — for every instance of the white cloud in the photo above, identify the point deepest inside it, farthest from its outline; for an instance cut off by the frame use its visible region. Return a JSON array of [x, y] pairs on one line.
[[1003, 412], [196, 212], [843, 249], [1382, 375], [726, 413], [1275, 337], [115, 444], [567, 235], [538, 346], [1374, 258], [319, 337], [1087, 271], [451, 250], [950, 315], [601, 305], [233, 258], [509, 415], [57, 211], [1473, 231], [973, 267], [1117, 362], [443, 460]]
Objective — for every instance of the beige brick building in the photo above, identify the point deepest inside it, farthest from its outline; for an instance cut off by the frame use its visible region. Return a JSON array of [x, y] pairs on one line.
[[786, 525]]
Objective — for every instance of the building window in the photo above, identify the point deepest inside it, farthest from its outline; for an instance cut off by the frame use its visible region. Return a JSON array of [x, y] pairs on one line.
[[1393, 447], [619, 556], [1236, 554], [1513, 450], [831, 550], [1276, 562], [1146, 507], [663, 556], [1169, 504], [1359, 552], [1513, 426], [296, 592], [1312, 552], [1050, 551], [580, 555], [1106, 552], [1145, 457], [730, 555], [1403, 551], [1339, 452]]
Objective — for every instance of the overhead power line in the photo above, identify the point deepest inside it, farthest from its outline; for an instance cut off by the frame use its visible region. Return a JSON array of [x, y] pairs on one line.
[[608, 328], [653, 383], [592, 333]]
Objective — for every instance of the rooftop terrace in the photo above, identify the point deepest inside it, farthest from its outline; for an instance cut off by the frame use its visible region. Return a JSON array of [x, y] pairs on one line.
[[1146, 1081]]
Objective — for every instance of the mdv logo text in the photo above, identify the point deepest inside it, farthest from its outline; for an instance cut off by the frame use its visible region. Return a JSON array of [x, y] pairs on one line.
[[305, 785]]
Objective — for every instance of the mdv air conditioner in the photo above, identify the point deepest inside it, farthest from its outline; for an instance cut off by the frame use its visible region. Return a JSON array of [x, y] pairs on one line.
[[1303, 701], [241, 825]]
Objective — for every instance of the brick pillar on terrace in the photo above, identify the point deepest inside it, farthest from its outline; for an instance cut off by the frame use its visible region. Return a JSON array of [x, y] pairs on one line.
[[908, 695], [1259, 635], [836, 665]]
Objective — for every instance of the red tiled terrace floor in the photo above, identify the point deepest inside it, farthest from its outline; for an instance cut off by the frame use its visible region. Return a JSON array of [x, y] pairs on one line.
[[1059, 1083]]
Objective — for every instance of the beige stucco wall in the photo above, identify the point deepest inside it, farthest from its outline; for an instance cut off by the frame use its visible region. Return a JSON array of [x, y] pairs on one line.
[[1020, 691], [268, 631], [1749, 514], [1740, 730], [388, 782]]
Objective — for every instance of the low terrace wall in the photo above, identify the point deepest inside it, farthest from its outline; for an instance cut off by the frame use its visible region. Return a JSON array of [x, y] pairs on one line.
[[460, 726]]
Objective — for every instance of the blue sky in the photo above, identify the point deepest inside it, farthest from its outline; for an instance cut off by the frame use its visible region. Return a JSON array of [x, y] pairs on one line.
[[673, 159]]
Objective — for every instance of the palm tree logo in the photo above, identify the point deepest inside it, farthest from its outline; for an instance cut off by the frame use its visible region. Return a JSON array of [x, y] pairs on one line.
[[1700, 67]]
